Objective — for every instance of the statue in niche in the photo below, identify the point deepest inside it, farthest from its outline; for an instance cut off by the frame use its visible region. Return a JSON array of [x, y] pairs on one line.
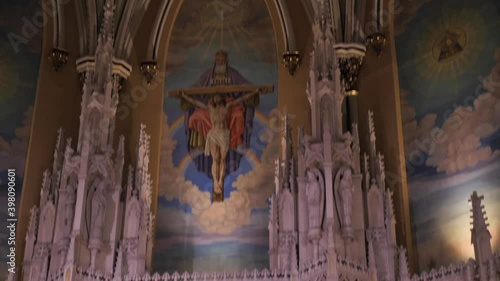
[[98, 213], [346, 190], [286, 210], [313, 194], [68, 211]]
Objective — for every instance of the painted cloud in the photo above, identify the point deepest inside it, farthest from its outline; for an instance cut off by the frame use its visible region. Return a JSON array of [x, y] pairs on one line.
[[456, 145]]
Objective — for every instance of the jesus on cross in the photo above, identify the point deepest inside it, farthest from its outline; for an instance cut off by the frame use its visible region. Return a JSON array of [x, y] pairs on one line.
[[218, 137], [218, 120]]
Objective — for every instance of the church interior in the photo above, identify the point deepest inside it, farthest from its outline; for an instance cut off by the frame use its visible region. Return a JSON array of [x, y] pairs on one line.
[[311, 140]]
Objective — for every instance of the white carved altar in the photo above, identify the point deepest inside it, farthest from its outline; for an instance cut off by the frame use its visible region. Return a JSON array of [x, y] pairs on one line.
[[330, 218]]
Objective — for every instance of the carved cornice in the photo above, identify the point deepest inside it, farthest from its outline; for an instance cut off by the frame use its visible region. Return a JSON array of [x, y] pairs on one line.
[[120, 67]]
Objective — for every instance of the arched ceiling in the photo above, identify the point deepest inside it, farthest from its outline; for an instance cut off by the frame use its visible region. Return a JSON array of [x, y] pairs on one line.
[[129, 15]]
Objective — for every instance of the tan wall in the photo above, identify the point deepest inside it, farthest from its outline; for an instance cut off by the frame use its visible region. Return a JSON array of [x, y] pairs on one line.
[[57, 104], [379, 92]]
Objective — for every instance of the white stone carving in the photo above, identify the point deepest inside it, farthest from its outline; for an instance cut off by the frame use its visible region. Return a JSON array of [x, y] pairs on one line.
[[98, 214], [345, 191], [315, 200]]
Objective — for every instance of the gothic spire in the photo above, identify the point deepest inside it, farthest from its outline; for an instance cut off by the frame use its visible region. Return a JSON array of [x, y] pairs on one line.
[[107, 21]]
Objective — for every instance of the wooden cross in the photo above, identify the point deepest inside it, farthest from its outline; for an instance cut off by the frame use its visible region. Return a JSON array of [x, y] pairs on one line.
[[262, 89]]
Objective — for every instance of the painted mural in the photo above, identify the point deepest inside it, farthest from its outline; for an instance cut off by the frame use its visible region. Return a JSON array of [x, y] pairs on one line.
[[20, 45], [218, 148], [449, 71]]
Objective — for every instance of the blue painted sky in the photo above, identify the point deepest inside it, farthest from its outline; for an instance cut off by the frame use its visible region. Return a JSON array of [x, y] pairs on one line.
[[436, 87], [436, 93]]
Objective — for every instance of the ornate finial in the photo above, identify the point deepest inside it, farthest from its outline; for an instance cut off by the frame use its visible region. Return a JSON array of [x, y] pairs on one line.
[[33, 222], [371, 126], [403, 265], [107, 23], [117, 273], [151, 226], [69, 151], [60, 136], [130, 180], [45, 181], [58, 58], [291, 60]]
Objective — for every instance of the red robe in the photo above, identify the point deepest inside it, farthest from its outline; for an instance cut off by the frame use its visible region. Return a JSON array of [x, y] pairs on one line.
[[200, 121]]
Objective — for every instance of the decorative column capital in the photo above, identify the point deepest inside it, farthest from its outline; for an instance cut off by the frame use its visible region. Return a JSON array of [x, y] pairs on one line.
[[291, 60], [377, 42], [149, 69], [350, 60], [58, 58]]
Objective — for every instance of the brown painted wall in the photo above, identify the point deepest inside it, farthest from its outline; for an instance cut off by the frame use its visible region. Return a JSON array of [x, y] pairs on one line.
[[379, 92]]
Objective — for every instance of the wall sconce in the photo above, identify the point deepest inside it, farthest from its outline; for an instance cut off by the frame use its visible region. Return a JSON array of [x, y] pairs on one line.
[[291, 60], [149, 69], [377, 42], [58, 58]]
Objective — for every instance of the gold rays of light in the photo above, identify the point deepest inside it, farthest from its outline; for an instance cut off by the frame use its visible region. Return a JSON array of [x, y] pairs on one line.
[[448, 46], [221, 27]]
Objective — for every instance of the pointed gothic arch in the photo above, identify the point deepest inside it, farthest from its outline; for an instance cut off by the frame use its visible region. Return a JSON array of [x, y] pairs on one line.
[[167, 14]]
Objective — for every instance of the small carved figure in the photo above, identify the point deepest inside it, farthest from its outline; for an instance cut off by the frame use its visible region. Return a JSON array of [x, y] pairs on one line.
[[286, 210], [346, 190], [313, 194], [98, 213]]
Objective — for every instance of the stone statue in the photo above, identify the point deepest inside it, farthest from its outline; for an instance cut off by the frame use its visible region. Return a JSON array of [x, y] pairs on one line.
[[346, 190], [69, 206], [98, 213], [313, 194], [286, 215]]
